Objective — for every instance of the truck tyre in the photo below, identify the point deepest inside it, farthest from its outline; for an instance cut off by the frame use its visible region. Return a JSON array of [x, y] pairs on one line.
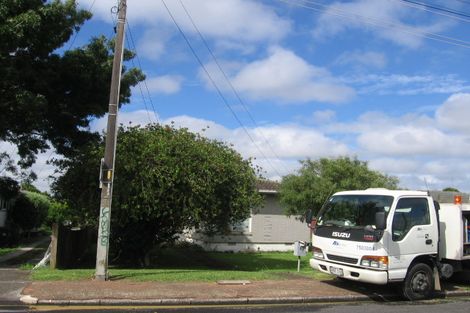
[[419, 282]]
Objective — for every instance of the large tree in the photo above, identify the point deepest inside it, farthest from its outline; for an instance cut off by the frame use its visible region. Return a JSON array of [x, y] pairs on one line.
[[49, 95], [166, 180], [316, 180]]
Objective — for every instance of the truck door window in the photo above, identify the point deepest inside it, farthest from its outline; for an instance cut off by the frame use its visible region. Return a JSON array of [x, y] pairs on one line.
[[409, 212]]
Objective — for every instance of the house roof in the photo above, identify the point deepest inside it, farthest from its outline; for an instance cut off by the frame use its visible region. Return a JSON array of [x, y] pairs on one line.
[[268, 186]]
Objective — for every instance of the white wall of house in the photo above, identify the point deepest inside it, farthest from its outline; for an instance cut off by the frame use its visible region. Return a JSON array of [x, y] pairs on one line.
[[4, 205], [269, 229]]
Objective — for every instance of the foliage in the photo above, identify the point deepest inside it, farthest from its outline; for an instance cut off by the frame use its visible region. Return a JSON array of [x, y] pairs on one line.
[[28, 186], [317, 180], [30, 210], [57, 213], [451, 189], [46, 97], [166, 180], [203, 266], [7, 165], [9, 188]]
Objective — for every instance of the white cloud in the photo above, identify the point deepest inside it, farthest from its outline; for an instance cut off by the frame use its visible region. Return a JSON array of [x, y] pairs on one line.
[[406, 85], [385, 19], [235, 20], [152, 43], [454, 114], [418, 148], [394, 165], [409, 139], [284, 77], [285, 141], [324, 116], [363, 59], [167, 84], [277, 148]]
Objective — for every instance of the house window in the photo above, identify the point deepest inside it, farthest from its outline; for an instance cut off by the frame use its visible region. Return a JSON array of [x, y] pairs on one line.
[[242, 227]]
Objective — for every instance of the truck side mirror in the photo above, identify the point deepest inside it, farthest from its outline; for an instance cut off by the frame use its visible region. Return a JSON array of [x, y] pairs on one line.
[[380, 220]]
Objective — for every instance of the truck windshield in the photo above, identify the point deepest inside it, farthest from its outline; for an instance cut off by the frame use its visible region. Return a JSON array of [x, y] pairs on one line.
[[353, 211]]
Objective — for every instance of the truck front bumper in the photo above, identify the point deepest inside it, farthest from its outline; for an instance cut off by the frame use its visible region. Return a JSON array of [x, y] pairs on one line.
[[353, 273]]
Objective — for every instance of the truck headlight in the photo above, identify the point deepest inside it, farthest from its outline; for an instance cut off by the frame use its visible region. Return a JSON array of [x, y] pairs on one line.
[[374, 261], [317, 253]]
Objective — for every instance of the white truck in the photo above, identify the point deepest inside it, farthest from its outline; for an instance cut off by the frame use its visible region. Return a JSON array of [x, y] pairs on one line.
[[382, 236]]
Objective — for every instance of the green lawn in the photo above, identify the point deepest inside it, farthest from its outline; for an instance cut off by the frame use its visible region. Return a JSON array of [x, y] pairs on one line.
[[4, 251], [188, 265]]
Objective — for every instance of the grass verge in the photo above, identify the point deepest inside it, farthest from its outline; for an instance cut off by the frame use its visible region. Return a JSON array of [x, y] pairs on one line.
[[4, 251], [202, 266]]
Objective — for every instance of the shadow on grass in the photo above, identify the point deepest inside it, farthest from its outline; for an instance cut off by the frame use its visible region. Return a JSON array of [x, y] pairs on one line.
[[180, 265], [198, 259], [176, 264]]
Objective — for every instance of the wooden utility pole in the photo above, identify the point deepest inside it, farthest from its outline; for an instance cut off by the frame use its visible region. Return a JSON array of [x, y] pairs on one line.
[[107, 165]]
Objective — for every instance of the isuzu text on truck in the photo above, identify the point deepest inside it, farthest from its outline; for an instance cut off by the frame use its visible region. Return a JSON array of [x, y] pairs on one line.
[[382, 236]]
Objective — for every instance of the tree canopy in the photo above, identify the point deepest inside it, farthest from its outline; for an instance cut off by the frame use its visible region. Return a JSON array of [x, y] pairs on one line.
[[166, 180], [9, 188], [30, 210], [48, 96], [316, 180]]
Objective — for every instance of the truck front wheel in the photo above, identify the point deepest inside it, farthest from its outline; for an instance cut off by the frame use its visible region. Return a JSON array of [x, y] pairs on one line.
[[419, 282]]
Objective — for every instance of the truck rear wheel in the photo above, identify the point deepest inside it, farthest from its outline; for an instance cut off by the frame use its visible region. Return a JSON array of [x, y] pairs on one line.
[[419, 282]]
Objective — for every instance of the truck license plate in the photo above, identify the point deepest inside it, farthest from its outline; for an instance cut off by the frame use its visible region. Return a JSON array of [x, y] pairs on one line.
[[336, 271]]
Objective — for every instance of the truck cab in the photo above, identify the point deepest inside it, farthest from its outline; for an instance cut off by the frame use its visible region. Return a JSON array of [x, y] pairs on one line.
[[379, 236]]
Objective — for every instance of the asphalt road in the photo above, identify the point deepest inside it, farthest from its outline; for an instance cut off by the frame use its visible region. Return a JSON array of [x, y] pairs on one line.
[[432, 306]]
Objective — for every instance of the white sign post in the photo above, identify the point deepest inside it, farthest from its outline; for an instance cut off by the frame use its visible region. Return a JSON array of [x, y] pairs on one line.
[[300, 249]]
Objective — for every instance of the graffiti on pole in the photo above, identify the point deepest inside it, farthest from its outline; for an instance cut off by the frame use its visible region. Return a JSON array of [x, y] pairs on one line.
[[104, 226]]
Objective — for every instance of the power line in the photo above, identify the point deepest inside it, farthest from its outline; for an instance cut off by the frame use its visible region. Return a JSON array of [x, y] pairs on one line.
[[145, 82], [217, 88], [307, 4], [76, 33], [380, 23], [459, 18], [229, 81], [140, 87], [438, 8]]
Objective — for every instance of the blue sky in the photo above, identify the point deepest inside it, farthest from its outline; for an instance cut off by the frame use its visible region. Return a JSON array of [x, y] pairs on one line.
[[307, 79]]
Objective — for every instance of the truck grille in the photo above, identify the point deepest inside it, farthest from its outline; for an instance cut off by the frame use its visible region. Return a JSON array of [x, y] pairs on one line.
[[343, 259]]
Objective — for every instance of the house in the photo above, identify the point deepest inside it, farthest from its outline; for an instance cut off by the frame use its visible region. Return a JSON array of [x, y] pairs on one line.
[[4, 206], [269, 229]]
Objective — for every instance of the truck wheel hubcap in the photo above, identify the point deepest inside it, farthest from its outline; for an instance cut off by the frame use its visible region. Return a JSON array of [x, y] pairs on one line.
[[420, 282]]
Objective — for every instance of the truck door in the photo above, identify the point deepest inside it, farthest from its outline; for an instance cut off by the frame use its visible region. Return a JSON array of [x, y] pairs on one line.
[[414, 232]]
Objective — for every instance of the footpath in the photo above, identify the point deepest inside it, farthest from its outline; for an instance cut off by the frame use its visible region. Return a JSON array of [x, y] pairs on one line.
[[293, 289], [12, 279]]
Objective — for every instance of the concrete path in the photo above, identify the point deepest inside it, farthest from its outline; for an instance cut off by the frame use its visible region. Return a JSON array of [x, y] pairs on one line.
[[12, 279], [10, 258], [12, 282]]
